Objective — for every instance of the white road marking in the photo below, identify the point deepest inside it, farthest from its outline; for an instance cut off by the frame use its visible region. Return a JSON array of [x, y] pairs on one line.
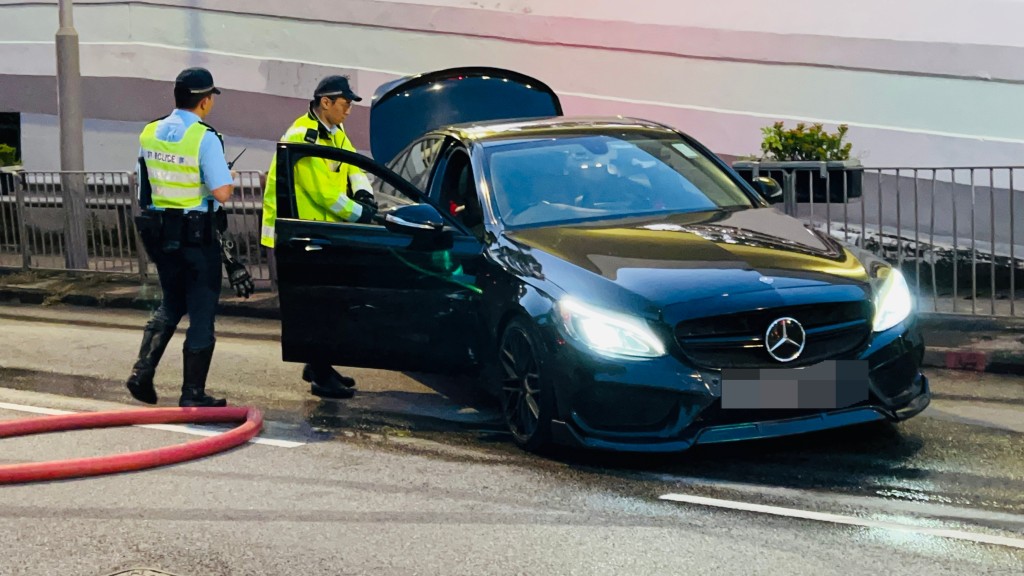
[[33, 409], [194, 431], [937, 508], [849, 520]]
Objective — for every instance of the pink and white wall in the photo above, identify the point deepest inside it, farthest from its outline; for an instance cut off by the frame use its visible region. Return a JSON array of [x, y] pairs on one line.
[[921, 82]]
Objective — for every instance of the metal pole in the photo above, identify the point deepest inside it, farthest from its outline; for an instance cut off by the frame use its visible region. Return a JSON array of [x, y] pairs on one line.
[[21, 211], [789, 192], [72, 156]]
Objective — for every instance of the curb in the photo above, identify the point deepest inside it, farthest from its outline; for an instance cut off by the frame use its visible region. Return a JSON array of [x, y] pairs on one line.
[[964, 359], [43, 297], [995, 362]]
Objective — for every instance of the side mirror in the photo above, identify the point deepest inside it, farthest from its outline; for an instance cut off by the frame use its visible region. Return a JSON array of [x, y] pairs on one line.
[[769, 189], [423, 223], [414, 220]]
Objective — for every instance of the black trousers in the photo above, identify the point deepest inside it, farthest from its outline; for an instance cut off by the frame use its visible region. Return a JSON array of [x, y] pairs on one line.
[[190, 278]]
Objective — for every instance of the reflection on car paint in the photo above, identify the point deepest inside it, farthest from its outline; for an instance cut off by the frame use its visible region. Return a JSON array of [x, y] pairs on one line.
[[444, 268]]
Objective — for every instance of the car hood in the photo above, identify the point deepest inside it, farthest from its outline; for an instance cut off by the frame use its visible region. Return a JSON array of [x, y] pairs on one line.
[[685, 258]]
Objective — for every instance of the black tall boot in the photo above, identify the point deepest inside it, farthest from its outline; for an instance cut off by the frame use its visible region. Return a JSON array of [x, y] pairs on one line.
[[193, 388], [154, 341]]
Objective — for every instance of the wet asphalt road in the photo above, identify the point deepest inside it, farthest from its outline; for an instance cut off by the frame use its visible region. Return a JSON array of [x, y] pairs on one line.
[[413, 477]]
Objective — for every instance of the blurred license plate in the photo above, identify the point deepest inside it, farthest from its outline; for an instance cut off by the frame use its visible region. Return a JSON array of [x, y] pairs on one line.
[[830, 384]]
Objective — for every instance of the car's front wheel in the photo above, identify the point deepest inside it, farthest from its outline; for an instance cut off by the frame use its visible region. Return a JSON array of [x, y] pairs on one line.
[[527, 400]]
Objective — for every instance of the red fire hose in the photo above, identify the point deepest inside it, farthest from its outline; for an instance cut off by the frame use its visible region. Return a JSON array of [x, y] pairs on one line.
[[77, 468]]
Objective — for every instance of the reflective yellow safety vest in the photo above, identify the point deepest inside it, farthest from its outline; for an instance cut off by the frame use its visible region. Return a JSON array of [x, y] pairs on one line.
[[321, 185], [173, 167]]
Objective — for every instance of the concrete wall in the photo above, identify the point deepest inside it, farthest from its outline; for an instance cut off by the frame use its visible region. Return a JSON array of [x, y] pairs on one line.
[[111, 144], [921, 82]]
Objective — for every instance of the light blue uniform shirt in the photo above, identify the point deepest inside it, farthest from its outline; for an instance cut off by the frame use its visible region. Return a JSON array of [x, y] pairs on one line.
[[213, 168]]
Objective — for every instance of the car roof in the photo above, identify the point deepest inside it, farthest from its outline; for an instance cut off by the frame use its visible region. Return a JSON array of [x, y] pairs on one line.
[[541, 127]]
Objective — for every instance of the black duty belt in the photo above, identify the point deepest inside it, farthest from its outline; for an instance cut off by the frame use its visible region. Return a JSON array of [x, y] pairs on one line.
[[172, 228]]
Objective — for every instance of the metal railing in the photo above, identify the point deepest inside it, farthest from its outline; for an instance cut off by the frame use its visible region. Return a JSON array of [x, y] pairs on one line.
[[953, 231], [32, 223]]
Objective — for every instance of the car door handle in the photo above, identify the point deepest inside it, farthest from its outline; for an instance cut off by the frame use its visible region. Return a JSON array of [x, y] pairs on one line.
[[309, 244]]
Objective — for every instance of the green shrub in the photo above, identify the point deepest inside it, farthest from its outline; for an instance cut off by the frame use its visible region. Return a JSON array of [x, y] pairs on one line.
[[804, 143], [8, 155]]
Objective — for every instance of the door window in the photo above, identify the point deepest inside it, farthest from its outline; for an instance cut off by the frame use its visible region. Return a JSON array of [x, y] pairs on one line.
[[387, 195], [391, 186], [417, 162]]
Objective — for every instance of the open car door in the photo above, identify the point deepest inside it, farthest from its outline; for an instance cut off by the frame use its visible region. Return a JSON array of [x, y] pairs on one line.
[[396, 294]]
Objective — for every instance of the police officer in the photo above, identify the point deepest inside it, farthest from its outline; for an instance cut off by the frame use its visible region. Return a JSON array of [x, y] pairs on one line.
[[183, 179], [324, 190]]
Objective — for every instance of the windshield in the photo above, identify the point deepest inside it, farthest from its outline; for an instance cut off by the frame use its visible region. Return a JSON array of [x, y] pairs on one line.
[[595, 176]]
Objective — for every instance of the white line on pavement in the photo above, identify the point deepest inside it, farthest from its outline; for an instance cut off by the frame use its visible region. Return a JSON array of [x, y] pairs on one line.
[[837, 519], [809, 498], [165, 427]]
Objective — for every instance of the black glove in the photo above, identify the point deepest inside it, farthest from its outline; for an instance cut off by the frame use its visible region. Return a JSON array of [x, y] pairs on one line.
[[365, 197], [239, 278], [238, 275], [369, 214]]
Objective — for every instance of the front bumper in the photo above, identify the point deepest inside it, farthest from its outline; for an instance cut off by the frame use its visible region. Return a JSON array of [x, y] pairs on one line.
[[612, 406], [568, 434]]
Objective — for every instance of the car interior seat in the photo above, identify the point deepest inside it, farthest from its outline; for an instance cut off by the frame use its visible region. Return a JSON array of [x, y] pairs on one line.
[[473, 214], [459, 193]]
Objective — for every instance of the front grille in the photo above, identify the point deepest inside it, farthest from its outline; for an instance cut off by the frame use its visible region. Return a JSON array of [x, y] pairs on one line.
[[834, 331]]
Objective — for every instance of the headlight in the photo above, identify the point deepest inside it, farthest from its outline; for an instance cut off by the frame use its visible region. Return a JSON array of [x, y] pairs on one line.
[[607, 332], [893, 302]]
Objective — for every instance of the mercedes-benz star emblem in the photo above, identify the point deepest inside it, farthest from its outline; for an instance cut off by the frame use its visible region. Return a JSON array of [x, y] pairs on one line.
[[785, 339]]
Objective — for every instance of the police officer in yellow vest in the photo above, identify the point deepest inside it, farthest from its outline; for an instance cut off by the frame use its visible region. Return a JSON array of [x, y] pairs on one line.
[[324, 190], [183, 179]]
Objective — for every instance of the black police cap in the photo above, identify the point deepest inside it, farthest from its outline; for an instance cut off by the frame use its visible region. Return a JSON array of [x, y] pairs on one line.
[[196, 81], [334, 86]]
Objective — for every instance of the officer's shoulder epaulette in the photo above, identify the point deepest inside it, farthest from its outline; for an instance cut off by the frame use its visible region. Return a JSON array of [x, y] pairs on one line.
[[208, 127], [214, 130], [311, 135]]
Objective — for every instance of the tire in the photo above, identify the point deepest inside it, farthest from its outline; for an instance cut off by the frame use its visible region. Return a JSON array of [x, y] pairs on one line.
[[527, 397]]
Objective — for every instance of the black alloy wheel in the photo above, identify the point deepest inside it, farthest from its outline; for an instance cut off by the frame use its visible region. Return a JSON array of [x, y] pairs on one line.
[[527, 402]]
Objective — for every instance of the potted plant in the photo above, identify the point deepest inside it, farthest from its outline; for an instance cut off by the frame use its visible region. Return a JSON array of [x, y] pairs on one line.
[[9, 167], [819, 162]]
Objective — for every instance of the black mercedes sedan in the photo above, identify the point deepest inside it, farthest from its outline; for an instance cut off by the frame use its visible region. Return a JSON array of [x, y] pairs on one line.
[[612, 281]]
